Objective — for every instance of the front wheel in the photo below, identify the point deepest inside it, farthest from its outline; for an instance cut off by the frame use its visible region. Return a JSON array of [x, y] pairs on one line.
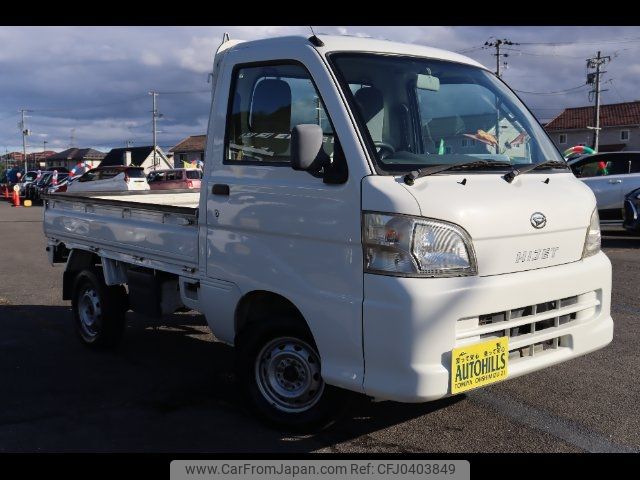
[[279, 367]]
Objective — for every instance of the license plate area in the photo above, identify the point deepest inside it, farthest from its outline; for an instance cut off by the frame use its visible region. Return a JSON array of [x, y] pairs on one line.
[[479, 364]]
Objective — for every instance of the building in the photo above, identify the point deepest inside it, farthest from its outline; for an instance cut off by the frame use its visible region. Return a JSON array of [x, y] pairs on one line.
[[137, 157], [475, 135], [73, 156], [620, 124], [38, 160], [189, 150], [13, 159]]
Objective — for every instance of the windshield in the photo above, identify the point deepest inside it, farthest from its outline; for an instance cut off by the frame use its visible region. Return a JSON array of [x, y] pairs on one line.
[[420, 112]]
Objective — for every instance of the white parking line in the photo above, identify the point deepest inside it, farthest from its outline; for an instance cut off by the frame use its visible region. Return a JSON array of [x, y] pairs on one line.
[[571, 432]]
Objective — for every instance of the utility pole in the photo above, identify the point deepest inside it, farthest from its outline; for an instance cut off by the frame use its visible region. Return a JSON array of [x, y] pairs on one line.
[[594, 79], [44, 149], [154, 112], [497, 44], [72, 138], [25, 133]]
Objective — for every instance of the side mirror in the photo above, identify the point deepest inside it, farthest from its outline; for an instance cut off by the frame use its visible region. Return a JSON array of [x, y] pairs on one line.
[[306, 148]]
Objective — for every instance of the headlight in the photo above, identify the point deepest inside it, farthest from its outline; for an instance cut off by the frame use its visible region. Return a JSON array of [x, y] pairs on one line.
[[415, 246], [592, 241]]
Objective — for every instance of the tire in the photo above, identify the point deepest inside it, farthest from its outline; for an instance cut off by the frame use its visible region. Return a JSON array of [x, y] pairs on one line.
[[278, 367], [98, 310]]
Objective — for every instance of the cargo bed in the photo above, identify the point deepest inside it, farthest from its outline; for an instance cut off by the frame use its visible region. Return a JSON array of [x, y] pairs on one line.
[[149, 228]]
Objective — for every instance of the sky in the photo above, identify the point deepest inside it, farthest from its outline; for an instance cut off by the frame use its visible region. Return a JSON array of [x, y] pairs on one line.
[[89, 85]]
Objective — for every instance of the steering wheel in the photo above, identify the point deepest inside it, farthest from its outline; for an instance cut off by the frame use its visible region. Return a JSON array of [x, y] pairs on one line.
[[383, 147]]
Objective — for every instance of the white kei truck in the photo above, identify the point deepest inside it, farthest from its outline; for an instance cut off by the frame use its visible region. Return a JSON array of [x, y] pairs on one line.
[[374, 217]]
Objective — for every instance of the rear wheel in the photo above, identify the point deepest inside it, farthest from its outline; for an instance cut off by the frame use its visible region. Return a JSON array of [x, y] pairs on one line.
[[279, 367], [98, 310]]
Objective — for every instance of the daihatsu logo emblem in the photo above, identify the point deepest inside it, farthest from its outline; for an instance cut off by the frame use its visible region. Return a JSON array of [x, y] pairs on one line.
[[538, 220]]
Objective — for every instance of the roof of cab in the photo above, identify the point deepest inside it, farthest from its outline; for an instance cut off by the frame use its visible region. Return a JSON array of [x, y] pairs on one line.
[[343, 43]]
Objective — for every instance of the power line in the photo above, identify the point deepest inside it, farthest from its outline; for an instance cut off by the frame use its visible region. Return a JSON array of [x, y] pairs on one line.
[[499, 43], [185, 92], [471, 49], [551, 93], [531, 54], [594, 42], [615, 89], [87, 107]]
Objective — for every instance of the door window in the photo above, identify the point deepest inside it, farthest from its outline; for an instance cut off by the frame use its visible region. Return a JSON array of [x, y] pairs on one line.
[[89, 176], [267, 102], [107, 174], [594, 168]]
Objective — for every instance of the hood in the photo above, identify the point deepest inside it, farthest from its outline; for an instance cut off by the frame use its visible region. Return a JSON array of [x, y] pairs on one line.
[[502, 217]]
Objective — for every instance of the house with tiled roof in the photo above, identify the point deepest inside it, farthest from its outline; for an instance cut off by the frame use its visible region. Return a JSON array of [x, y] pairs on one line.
[[619, 123], [138, 157], [71, 157], [189, 150]]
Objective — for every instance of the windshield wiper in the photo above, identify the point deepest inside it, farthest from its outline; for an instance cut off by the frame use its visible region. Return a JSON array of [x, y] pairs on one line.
[[410, 177], [547, 164]]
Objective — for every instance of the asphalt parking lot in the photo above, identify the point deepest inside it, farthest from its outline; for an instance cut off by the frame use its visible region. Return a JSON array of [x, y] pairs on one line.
[[170, 387]]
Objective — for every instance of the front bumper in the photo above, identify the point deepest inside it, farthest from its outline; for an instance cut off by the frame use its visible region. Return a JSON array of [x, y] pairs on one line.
[[412, 324]]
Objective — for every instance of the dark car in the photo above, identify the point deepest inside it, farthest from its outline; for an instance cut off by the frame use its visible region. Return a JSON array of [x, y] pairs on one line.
[[30, 189], [631, 211], [46, 184]]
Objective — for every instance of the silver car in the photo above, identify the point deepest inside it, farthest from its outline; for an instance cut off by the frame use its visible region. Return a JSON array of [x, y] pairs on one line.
[[611, 176]]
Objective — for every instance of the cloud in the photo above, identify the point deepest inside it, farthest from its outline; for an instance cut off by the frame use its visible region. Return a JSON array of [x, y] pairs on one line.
[[151, 59], [97, 79]]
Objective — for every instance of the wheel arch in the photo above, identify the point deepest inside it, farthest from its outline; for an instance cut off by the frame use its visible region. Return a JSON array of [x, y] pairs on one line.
[[78, 260], [254, 306]]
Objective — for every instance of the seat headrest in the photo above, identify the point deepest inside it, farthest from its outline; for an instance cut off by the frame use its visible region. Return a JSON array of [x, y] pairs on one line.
[[370, 101], [271, 107]]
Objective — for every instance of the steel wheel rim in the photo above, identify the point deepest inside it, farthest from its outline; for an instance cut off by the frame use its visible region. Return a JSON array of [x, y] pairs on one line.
[[287, 373], [90, 313]]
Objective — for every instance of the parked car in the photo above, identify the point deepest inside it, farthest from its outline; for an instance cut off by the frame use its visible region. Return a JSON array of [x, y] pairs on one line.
[[27, 179], [44, 186], [186, 178], [631, 211], [610, 176], [110, 179], [31, 188], [62, 186]]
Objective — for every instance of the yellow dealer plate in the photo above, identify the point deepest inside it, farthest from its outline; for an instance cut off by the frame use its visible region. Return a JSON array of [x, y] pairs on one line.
[[479, 364]]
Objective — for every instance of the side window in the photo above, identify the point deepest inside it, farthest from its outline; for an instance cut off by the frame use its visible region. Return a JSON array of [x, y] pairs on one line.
[[267, 102], [107, 174], [593, 168], [620, 166], [89, 176], [635, 164]]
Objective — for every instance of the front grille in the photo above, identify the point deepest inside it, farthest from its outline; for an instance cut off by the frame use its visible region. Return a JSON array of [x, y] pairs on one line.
[[532, 328]]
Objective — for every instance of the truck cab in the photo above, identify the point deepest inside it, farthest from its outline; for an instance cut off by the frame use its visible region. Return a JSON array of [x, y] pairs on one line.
[[376, 217]]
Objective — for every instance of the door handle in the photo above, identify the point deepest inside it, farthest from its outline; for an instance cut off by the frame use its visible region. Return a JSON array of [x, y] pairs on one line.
[[615, 180], [220, 189]]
